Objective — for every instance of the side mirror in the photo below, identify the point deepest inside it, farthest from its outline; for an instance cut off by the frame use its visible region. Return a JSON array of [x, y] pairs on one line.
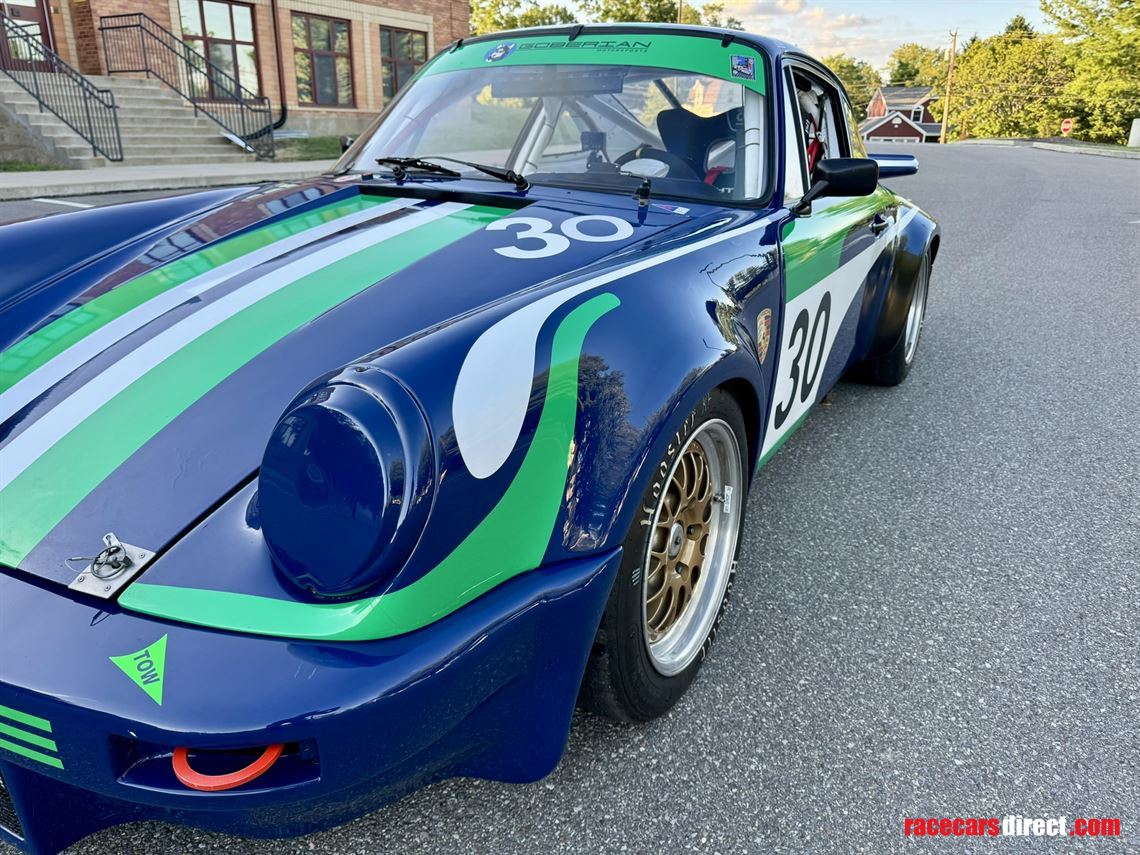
[[841, 176], [895, 165], [346, 143]]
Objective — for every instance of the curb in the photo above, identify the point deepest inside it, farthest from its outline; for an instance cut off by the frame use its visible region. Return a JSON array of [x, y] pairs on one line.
[[1096, 152], [984, 142], [126, 179]]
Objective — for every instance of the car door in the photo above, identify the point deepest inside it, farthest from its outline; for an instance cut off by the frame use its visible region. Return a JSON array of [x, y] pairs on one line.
[[832, 256]]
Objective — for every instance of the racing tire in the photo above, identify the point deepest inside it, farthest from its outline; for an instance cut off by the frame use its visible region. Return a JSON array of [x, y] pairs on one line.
[[892, 367], [677, 568]]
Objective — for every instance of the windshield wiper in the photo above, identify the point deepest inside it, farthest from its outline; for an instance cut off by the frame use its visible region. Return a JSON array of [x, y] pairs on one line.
[[520, 182], [401, 165]]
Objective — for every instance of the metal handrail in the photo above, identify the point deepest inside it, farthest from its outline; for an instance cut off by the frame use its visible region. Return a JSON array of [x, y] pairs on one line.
[[60, 89], [136, 43]]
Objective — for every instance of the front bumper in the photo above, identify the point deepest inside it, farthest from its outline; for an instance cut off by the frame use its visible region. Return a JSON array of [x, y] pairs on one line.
[[486, 692]]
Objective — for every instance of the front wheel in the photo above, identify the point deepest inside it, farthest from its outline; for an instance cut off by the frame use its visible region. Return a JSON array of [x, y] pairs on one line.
[[678, 561], [892, 367]]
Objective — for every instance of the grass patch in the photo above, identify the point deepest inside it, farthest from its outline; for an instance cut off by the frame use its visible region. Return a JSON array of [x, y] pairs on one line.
[[310, 148], [27, 166]]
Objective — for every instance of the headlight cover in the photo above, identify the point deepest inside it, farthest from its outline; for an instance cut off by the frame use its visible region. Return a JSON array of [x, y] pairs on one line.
[[347, 482]]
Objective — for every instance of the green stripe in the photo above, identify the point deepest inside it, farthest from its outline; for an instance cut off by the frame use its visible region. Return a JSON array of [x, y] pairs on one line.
[[31, 754], [784, 438], [24, 718], [28, 354], [30, 738], [697, 54], [62, 477], [510, 540], [813, 246]]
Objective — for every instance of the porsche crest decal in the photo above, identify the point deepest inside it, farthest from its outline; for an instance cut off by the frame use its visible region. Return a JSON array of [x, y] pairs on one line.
[[763, 334]]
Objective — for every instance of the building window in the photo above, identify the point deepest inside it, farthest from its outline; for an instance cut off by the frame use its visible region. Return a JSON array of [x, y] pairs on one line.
[[224, 33], [916, 114], [322, 53], [401, 53]]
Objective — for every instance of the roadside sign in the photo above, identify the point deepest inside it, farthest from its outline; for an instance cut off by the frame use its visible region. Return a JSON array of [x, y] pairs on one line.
[[1066, 127]]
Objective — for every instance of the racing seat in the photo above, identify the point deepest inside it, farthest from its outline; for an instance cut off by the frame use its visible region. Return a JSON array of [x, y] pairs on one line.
[[690, 137]]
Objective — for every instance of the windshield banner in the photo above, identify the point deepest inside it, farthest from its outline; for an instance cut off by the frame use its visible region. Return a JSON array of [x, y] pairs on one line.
[[690, 53]]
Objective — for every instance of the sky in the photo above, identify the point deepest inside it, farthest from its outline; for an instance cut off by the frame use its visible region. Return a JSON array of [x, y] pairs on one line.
[[871, 29]]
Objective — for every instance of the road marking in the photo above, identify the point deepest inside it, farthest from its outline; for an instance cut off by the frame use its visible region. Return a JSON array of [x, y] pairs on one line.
[[63, 202]]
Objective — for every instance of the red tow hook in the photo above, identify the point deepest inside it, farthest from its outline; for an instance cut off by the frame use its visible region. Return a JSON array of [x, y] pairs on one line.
[[217, 783]]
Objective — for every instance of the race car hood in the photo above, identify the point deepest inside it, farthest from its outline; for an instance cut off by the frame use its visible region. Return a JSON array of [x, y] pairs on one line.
[[140, 399]]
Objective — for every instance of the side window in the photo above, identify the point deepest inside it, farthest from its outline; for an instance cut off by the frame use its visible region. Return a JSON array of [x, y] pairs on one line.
[[824, 126], [853, 134], [794, 181]]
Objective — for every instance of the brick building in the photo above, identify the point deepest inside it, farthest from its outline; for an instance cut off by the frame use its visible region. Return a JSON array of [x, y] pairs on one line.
[[333, 63]]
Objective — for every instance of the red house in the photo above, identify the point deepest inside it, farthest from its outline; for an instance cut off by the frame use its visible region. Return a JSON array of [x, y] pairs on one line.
[[900, 114]]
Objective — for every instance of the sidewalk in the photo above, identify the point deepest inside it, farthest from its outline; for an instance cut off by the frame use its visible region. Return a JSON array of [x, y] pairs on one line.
[[120, 179], [1073, 147]]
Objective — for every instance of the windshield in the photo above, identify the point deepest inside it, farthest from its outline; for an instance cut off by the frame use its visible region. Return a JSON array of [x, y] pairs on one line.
[[601, 125]]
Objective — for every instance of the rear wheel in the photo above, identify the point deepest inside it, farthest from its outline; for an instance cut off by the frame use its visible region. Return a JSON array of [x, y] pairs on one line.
[[892, 367], [677, 567]]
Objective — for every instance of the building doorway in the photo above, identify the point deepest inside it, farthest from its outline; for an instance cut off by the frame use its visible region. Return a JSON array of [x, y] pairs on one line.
[[30, 16]]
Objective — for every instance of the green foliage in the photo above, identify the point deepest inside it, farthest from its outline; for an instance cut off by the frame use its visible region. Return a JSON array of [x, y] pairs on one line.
[[1019, 25], [859, 79], [1102, 38], [658, 11], [488, 16], [911, 64], [1010, 85], [309, 148], [27, 166]]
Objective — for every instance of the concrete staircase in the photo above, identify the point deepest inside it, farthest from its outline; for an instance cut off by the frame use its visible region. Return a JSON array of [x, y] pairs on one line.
[[157, 126]]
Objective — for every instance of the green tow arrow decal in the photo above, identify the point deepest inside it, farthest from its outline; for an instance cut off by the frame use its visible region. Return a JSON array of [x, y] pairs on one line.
[[145, 667]]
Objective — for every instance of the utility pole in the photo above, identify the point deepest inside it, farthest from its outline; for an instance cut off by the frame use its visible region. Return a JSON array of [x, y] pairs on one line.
[[680, 6], [949, 80]]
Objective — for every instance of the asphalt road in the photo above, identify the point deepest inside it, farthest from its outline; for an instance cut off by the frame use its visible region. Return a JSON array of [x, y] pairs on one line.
[[937, 609]]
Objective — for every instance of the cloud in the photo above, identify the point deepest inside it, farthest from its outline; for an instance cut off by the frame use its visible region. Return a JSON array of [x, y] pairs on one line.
[[842, 22], [821, 30]]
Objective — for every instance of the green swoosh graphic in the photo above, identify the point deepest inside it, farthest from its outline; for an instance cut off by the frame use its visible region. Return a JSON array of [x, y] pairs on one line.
[[813, 245], [45, 492], [510, 540], [30, 353]]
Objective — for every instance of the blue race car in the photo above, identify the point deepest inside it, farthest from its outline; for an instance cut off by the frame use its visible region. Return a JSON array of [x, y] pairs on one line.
[[313, 493]]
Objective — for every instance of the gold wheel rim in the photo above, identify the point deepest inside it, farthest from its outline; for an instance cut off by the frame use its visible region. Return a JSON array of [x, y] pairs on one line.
[[691, 551], [679, 542]]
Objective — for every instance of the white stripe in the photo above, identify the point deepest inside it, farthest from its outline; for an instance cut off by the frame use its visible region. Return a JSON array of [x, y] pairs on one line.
[[844, 284], [492, 391], [51, 372], [63, 202], [27, 447]]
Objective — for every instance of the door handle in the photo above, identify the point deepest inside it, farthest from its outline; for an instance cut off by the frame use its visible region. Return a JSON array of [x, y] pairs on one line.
[[879, 224]]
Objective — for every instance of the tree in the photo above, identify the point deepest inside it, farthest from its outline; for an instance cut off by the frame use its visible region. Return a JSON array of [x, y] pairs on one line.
[[1103, 37], [487, 16], [1010, 87], [659, 11], [859, 79], [911, 64], [713, 16], [1019, 26]]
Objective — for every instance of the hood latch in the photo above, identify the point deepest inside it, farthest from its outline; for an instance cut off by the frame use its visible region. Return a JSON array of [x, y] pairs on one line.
[[110, 571]]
